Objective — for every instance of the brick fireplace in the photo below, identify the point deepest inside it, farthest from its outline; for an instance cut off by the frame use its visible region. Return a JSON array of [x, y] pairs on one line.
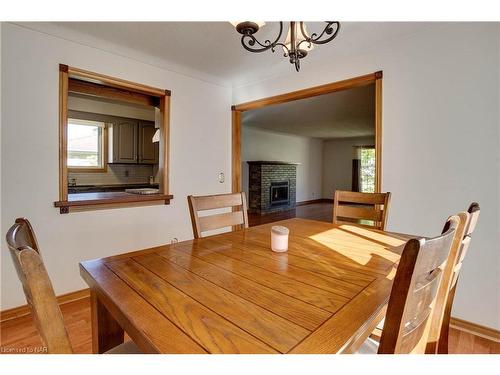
[[272, 186]]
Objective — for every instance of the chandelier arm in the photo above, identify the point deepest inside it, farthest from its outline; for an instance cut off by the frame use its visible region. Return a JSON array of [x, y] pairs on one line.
[[249, 40], [329, 30], [304, 41], [287, 51]]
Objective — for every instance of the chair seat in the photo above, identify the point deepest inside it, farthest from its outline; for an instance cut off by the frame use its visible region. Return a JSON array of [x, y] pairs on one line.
[[127, 347]]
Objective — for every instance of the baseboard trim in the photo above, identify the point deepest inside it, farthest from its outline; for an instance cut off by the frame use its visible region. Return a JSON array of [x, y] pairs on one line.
[[323, 200], [23, 310], [475, 329]]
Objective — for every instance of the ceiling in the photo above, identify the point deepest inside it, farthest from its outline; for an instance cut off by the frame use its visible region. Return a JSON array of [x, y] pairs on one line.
[[343, 114], [212, 50]]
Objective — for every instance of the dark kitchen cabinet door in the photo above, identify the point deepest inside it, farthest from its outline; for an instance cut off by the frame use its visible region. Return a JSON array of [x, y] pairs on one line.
[[125, 142], [147, 149]]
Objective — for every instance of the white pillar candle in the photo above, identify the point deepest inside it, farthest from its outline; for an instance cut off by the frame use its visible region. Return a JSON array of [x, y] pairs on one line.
[[279, 238]]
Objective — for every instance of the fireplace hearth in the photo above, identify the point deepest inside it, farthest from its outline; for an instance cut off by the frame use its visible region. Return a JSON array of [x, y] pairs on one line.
[[272, 186]]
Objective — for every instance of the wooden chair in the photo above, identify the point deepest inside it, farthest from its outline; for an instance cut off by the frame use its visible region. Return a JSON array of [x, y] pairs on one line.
[[472, 217], [217, 221], [352, 207], [411, 305], [39, 292]]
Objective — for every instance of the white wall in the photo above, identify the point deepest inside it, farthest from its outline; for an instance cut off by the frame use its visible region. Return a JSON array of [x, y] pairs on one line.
[[337, 163], [258, 144], [200, 149], [440, 139]]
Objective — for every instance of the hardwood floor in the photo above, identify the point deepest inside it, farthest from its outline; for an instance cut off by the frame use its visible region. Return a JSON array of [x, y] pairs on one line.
[[20, 336], [314, 211]]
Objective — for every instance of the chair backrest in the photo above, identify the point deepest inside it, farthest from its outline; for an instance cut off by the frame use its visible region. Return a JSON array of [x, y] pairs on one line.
[[351, 207], [221, 220], [37, 287], [457, 260], [414, 291]]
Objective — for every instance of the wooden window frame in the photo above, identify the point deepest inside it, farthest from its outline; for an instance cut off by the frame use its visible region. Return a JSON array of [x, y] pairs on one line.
[[373, 78], [106, 86], [104, 151]]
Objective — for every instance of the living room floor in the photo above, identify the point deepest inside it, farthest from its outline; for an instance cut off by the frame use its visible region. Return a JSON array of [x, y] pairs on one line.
[[321, 211]]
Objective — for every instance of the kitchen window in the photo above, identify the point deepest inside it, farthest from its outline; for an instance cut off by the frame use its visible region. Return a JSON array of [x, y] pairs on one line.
[[86, 140]]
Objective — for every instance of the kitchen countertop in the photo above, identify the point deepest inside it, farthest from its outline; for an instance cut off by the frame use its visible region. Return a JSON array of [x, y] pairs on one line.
[[75, 197], [115, 185]]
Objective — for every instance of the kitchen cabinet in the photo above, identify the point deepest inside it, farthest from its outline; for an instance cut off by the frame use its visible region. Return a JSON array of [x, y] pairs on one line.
[[131, 142], [147, 149], [123, 140]]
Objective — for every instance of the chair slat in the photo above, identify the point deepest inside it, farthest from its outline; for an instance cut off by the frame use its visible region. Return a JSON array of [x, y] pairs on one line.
[[218, 201], [359, 213], [362, 198], [223, 220]]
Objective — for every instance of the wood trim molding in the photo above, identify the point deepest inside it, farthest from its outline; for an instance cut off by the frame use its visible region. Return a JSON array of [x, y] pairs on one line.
[[159, 98], [236, 110], [378, 133], [165, 143], [17, 312], [114, 82], [90, 204], [63, 134], [236, 152], [475, 329], [310, 92], [97, 90]]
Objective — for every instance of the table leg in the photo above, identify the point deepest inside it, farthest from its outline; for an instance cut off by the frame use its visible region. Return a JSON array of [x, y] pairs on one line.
[[106, 332]]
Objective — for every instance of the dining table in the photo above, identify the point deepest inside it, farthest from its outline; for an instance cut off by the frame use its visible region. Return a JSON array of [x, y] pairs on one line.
[[230, 293]]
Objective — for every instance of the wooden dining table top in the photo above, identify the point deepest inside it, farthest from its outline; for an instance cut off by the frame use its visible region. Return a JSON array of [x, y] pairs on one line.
[[230, 293]]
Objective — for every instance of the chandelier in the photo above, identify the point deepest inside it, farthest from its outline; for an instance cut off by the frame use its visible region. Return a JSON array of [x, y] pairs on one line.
[[296, 44]]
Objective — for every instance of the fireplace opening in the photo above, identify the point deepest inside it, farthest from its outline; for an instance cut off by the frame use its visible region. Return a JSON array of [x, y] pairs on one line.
[[279, 194]]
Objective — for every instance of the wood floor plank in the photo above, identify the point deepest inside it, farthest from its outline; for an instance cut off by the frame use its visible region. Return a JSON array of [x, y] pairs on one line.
[[272, 329], [317, 297], [321, 211], [214, 333]]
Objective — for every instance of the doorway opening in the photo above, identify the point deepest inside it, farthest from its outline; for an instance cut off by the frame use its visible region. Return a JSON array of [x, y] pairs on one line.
[[292, 151]]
